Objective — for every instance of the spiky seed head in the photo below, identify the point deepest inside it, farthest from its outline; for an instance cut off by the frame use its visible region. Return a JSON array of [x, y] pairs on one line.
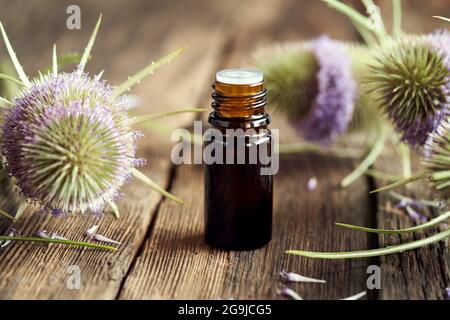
[[67, 142], [411, 80], [437, 161], [315, 85]]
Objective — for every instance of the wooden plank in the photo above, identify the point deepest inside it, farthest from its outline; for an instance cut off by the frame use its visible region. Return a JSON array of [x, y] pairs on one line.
[[39, 272], [177, 264], [419, 274]]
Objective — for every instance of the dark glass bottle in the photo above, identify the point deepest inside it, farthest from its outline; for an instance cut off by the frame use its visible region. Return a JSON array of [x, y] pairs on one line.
[[238, 196]]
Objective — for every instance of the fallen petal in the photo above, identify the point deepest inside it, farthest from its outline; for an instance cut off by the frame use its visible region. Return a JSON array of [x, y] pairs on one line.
[[295, 277], [356, 296], [91, 231], [312, 184], [289, 293]]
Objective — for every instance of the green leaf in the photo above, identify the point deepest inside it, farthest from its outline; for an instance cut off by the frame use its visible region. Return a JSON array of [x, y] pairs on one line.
[[374, 252], [152, 184], [396, 18], [88, 49], [421, 227], [23, 77], [67, 242], [136, 78], [159, 115]]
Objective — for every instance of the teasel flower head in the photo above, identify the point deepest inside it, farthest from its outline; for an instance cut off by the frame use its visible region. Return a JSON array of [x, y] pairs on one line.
[[412, 82], [67, 142], [315, 83], [66, 138], [436, 160]]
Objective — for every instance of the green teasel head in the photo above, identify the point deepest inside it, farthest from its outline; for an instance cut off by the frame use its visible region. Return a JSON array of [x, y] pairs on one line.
[[437, 161], [410, 79], [320, 79]]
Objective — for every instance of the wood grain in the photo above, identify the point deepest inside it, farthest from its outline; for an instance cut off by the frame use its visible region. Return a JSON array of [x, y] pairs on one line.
[[419, 274], [163, 254]]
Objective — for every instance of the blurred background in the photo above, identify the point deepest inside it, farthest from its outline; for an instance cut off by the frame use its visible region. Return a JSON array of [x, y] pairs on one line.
[[217, 33]]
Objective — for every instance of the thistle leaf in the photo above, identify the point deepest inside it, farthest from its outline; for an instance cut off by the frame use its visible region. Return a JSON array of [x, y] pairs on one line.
[[23, 77], [152, 184], [374, 252], [59, 241], [88, 49], [421, 227], [136, 78]]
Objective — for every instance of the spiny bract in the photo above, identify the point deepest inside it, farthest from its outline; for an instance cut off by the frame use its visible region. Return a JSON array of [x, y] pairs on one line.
[[412, 81], [67, 142], [437, 161]]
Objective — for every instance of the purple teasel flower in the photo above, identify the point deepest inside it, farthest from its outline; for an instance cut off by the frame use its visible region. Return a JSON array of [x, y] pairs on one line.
[[447, 290], [333, 105], [68, 144], [413, 82]]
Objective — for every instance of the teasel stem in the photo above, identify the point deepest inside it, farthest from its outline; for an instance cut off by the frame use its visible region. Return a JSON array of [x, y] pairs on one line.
[[370, 159], [396, 18], [159, 115], [406, 160], [420, 227], [383, 175], [402, 182], [374, 252], [67, 242], [301, 147]]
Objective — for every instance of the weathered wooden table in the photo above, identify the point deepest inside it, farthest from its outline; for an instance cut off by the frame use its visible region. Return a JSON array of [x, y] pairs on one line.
[[163, 255]]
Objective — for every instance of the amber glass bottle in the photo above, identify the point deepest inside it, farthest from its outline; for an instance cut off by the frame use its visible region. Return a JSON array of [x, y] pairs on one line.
[[238, 196]]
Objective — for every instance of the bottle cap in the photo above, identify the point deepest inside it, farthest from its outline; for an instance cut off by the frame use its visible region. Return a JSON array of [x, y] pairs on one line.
[[239, 76]]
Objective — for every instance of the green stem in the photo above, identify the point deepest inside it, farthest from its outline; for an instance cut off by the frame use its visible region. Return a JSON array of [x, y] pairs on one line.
[[350, 13], [159, 115], [402, 182], [68, 242], [383, 175], [374, 252], [301, 147], [366, 163], [397, 18], [420, 227], [406, 160]]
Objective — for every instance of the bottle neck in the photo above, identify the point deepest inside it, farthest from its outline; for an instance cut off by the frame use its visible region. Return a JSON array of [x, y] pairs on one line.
[[239, 106]]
